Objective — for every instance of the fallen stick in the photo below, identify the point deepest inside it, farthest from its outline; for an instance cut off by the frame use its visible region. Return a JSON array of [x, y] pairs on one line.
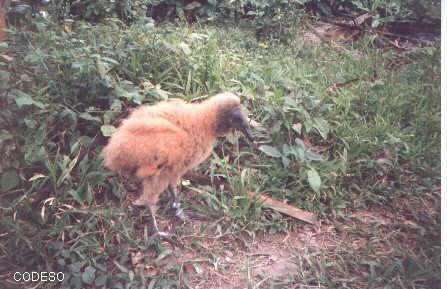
[[286, 209]]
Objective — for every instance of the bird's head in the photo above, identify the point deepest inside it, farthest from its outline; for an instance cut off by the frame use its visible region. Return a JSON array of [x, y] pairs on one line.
[[229, 115]]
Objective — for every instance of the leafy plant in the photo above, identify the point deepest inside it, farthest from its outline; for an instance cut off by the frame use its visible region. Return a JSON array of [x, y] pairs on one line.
[[372, 142]]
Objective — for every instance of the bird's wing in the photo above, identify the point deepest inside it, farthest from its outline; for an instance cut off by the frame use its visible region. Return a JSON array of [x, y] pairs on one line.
[[157, 145]]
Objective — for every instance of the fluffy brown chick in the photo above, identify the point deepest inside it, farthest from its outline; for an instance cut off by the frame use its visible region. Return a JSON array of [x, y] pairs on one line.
[[161, 142]]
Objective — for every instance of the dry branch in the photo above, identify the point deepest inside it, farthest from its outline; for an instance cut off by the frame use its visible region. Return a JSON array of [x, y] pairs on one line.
[[286, 209]]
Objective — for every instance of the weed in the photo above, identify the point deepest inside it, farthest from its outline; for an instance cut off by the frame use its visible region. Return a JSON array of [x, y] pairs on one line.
[[340, 130]]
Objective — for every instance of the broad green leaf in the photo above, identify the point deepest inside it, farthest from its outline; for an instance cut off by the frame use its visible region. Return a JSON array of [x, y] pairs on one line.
[[88, 116], [297, 127], [314, 180], [158, 93], [108, 116], [76, 267], [85, 140], [75, 282], [75, 146], [107, 130], [101, 280], [22, 99], [88, 276], [32, 57], [285, 161], [149, 26], [4, 79], [298, 152], [132, 95], [270, 151], [29, 123], [322, 126], [115, 109], [310, 155], [116, 105]]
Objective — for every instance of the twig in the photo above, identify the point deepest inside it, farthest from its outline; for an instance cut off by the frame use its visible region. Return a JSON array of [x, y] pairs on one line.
[[286, 209], [341, 84]]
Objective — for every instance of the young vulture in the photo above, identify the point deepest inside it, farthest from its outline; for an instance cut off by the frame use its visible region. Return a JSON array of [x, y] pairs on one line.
[[160, 143]]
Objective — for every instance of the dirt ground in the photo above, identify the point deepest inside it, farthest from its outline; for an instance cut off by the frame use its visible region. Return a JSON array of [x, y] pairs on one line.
[[211, 260], [228, 263]]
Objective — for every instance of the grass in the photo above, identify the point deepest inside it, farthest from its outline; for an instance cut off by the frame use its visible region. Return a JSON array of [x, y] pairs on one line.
[[343, 129]]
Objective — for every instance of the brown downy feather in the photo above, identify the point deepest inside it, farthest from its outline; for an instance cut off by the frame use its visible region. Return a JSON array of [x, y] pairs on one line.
[[160, 143]]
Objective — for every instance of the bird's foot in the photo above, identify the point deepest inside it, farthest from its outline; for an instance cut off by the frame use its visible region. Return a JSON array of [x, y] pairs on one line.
[[181, 214], [162, 234], [179, 211], [168, 237]]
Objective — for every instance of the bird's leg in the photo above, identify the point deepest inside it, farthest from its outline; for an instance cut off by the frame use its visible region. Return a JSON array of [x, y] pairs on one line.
[[152, 210], [157, 232], [149, 199], [176, 203]]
